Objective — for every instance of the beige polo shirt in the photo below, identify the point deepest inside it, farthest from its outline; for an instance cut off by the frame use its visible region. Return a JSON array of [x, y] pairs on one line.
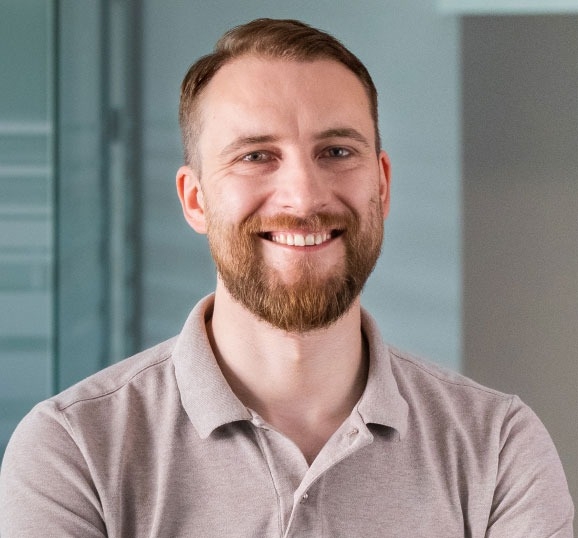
[[159, 446]]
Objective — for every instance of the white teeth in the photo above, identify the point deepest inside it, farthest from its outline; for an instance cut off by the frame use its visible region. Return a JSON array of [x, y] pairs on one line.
[[300, 240]]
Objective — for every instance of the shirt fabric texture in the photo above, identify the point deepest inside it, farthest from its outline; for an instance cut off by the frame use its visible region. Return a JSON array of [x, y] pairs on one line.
[[158, 445]]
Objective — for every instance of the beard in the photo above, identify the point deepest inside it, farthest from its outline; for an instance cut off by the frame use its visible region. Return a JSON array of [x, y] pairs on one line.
[[313, 300]]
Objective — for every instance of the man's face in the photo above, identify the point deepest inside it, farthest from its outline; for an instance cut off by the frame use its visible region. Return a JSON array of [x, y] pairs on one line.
[[293, 193]]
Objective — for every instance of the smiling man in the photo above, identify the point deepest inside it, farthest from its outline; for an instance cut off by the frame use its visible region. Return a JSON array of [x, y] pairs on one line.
[[293, 195], [278, 410]]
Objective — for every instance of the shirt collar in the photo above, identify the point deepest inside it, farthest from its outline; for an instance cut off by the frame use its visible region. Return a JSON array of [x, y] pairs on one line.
[[205, 394], [210, 402], [381, 402]]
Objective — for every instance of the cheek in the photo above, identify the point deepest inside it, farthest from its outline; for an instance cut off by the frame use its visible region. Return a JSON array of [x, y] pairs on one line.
[[224, 207], [236, 202], [364, 200]]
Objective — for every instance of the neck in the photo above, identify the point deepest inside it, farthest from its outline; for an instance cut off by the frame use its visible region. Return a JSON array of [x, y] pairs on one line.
[[303, 384]]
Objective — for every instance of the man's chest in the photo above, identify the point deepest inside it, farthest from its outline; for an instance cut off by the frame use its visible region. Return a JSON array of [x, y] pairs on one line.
[[255, 485]]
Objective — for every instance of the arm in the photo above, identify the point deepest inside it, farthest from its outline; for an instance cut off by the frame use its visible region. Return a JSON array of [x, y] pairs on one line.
[[46, 487], [531, 497]]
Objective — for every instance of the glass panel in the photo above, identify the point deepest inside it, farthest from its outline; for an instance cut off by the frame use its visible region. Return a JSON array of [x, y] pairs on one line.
[[81, 241], [96, 185], [26, 209]]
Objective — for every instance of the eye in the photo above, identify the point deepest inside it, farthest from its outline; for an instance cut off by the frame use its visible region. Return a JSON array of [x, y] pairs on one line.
[[337, 152], [256, 156]]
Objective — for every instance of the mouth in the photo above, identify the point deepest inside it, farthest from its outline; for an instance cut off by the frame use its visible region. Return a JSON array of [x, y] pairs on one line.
[[297, 239]]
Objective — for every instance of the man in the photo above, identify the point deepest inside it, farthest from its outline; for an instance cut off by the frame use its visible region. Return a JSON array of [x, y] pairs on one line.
[[278, 411]]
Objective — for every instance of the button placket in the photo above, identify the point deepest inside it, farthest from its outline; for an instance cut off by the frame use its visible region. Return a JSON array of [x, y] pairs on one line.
[[286, 464]]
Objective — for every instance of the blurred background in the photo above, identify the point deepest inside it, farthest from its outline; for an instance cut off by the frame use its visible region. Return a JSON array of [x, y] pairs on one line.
[[478, 112]]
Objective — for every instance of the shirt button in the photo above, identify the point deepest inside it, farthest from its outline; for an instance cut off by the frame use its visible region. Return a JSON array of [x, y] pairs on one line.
[[304, 497], [353, 432]]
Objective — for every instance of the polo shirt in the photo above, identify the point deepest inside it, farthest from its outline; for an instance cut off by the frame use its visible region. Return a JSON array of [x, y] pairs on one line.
[[159, 446]]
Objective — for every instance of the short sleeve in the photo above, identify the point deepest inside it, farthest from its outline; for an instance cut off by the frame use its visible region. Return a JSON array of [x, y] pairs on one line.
[[531, 498], [45, 484]]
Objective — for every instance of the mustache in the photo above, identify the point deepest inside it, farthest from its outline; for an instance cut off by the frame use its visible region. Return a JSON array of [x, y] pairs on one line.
[[255, 224]]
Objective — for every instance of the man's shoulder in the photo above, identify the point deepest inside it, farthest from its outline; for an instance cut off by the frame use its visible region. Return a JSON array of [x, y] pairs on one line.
[[417, 376], [444, 404], [143, 367]]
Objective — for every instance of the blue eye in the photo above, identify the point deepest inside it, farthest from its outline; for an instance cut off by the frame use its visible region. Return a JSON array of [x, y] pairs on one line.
[[255, 156], [338, 152]]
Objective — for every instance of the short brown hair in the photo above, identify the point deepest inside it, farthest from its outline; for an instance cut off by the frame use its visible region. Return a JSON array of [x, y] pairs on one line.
[[269, 38]]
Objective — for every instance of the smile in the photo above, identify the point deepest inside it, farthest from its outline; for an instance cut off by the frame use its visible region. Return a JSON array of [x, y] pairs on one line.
[[301, 240]]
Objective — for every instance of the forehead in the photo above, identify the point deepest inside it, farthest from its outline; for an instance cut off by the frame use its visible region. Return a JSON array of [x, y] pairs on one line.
[[252, 67], [256, 93]]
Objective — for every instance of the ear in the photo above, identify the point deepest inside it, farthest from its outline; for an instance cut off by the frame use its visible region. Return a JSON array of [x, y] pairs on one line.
[[384, 181], [192, 199]]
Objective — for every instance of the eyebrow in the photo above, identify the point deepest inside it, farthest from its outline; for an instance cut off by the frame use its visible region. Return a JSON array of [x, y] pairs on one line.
[[343, 132]]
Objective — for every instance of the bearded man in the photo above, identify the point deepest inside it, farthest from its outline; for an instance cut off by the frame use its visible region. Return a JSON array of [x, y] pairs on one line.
[[278, 410]]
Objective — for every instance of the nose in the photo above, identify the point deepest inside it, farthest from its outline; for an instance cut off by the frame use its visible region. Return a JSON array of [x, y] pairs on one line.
[[301, 188]]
